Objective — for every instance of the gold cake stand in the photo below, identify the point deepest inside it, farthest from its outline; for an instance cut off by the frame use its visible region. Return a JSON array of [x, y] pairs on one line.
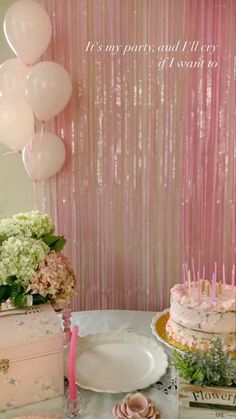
[[158, 326]]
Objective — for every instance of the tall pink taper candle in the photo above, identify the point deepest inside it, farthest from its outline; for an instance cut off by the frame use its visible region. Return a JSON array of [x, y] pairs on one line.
[[72, 384]]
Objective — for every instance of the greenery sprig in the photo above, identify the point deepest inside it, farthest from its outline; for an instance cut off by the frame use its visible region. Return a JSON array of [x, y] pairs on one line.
[[212, 368]]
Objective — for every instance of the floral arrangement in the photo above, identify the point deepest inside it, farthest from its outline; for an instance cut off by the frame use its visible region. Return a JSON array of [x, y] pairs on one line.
[[31, 262], [136, 406], [212, 368]]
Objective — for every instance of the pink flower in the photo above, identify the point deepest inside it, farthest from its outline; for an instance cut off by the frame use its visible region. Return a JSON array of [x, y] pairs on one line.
[[136, 406], [54, 279]]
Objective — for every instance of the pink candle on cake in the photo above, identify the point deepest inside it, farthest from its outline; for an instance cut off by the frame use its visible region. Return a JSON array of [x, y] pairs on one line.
[[233, 276], [223, 268], [189, 285], [184, 275], [199, 286], [213, 294], [193, 269], [216, 271], [203, 273]]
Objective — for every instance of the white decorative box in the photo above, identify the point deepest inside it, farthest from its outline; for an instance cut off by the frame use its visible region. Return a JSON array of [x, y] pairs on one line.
[[31, 357]]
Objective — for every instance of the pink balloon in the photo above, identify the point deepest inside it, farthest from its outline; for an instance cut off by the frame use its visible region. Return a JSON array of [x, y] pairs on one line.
[[28, 30], [48, 89], [43, 156], [16, 122], [13, 75]]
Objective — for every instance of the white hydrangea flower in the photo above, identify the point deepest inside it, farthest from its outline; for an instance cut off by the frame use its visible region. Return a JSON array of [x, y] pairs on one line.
[[21, 256], [28, 224]]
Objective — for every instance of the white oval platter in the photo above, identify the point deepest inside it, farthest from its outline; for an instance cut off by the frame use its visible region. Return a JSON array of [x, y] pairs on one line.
[[119, 361]]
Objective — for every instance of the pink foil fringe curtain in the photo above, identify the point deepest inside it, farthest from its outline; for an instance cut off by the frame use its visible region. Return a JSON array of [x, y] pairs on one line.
[[150, 176]]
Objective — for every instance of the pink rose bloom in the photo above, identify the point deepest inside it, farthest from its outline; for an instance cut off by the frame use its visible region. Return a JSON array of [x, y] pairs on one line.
[[136, 406]]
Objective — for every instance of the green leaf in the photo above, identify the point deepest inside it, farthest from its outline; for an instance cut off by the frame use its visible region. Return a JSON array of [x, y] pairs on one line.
[[39, 299], [11, 279], [2, 239], [19, 300], [58, 246], [5, 292], [54, 242], [16, 289]]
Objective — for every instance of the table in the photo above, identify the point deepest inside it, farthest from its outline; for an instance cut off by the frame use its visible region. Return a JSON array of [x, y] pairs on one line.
[[99, 405]]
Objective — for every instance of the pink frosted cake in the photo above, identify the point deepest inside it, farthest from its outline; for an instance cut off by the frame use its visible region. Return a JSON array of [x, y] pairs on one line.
[[198, 318]]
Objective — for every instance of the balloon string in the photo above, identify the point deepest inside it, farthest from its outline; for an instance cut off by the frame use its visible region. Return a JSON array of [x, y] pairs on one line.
[[31, 166], [34, 194]]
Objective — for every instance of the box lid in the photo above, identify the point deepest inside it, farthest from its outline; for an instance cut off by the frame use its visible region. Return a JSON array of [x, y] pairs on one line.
[[22, 335]]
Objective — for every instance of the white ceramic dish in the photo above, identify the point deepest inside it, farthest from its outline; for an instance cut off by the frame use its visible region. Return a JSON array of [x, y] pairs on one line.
[[157, 332], [115, 362]]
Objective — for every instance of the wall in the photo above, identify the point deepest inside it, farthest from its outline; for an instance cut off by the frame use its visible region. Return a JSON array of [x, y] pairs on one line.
[[16, 192]]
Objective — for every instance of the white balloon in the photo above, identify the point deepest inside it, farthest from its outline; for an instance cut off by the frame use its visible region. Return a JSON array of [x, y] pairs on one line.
[[44, 155], [28, 30], [13, 75], [16, 122], [48, 89]]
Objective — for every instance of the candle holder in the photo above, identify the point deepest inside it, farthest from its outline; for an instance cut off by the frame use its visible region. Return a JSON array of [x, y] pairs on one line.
[[66, 316], [72, 408]]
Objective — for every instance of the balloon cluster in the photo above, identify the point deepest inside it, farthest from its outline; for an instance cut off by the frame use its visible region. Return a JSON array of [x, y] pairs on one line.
[[29, 89]]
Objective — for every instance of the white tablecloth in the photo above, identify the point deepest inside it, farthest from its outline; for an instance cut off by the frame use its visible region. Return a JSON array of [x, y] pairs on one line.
[[99, 405]]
